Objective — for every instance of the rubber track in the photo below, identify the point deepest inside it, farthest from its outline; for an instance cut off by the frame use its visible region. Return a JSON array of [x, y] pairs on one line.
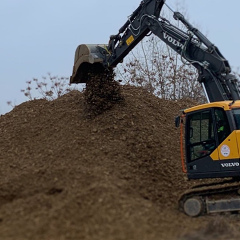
[[209, 190]]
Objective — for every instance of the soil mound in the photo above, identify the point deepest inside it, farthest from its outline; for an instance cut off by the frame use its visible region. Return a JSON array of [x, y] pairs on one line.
[[115, 176]]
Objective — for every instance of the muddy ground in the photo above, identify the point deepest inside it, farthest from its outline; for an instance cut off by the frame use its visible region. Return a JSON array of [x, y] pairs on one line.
[[113, 176]]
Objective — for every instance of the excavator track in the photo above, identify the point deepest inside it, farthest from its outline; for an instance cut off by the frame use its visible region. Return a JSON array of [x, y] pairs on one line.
[[211, 198]]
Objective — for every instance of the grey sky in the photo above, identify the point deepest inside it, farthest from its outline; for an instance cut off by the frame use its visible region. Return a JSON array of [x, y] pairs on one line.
[[41, 36]]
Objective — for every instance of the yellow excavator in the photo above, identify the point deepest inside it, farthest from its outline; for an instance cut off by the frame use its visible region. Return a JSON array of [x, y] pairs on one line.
[[212, 130]]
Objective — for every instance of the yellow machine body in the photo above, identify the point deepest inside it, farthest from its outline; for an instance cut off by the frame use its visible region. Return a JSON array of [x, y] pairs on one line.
[[212, 140]]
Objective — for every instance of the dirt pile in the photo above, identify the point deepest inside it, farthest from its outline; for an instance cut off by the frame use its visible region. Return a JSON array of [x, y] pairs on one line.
[[114, 176], [217, 228]]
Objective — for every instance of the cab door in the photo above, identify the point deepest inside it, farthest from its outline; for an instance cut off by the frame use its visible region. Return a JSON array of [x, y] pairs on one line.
[[201, 140], [200, 135]]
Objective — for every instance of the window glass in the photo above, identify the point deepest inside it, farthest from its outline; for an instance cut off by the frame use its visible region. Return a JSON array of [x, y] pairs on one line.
[[223, 129], [201, 134], [236, 114]]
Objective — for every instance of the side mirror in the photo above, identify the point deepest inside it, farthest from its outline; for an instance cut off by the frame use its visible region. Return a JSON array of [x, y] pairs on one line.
[[177, 121]]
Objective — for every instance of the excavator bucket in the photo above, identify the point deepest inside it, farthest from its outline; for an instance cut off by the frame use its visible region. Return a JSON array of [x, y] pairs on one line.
[[88, 61]]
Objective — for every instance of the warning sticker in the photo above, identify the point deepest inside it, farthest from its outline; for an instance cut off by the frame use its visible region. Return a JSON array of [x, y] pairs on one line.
[[225, 150], [130, 40]]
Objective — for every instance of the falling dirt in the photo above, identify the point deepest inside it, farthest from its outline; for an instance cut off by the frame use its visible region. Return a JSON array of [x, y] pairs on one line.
[[113, 176], [102, 92]]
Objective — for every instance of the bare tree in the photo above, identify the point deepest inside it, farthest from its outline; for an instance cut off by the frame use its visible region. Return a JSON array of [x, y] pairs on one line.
[[49, 87]]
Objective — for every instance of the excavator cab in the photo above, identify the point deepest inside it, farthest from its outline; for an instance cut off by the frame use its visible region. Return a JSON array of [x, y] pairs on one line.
[[212, 140], [212, 150]]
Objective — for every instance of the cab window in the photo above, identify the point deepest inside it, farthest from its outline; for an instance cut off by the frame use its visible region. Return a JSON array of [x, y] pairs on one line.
[[236, 114], [206, 129], [200, 135], [223, 129]]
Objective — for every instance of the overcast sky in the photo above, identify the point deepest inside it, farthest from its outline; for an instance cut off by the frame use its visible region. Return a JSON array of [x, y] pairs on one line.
[[38, 37]]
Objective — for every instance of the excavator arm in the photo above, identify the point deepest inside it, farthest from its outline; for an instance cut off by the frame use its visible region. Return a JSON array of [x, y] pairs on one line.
[[132, 32], [91, 58], [193, 47]]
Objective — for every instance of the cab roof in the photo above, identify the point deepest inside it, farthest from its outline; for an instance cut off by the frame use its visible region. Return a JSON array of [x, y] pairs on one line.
[[226, 105]]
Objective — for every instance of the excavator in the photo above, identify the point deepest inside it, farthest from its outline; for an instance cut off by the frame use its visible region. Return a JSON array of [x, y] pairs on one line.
[[210, 132]]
